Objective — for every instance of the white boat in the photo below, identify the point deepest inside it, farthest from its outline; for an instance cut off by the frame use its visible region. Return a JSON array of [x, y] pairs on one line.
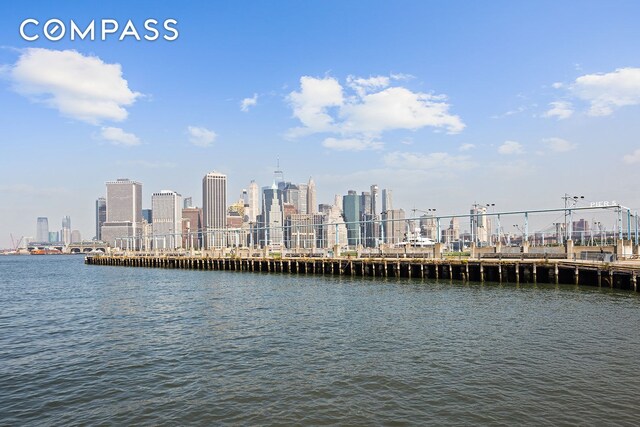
[[415, 240]]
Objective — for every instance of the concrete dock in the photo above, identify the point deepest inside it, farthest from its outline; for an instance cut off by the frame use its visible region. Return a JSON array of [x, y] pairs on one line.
[[620, 275]]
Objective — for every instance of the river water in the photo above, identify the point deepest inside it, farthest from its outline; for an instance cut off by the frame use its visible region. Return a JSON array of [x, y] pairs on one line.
[[132, 346]]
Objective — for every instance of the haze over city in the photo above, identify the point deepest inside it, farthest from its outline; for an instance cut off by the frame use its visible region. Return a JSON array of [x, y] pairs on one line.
[[445, 104]]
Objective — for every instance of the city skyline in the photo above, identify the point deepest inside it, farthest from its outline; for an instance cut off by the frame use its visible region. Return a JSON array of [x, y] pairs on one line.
[[445, 104]]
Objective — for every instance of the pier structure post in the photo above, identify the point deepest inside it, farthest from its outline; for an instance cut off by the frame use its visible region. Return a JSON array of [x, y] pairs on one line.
[[500, 271], [599, 278], [556, 273], [517, 272], [576, 276], [535, 273], [481, 272]]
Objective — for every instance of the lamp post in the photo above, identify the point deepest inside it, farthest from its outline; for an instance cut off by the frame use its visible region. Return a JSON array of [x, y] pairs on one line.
[[573, 200]]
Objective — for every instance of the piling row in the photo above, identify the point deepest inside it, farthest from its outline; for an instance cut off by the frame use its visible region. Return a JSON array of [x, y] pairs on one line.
[[507, 271]]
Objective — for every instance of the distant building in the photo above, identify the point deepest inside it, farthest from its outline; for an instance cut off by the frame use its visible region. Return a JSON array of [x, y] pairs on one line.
[[253, 202], [167, 219], [76, 237], [101, 216], [124, 213], [387, 200], [214, 208], [394, 226], [192, 227], [65, 235], [188, 202], [54, 237], [351, 205], [42, 229], [312, 206], [147, 215]]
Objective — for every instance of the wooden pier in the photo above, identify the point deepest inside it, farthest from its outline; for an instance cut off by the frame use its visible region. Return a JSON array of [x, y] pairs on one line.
[[620, 275]]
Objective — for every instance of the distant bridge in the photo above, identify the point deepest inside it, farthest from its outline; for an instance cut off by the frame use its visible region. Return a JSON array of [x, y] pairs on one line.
[[87, 247]]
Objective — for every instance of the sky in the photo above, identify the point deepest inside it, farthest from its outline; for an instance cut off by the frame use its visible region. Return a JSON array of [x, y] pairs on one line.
[[446, 103]]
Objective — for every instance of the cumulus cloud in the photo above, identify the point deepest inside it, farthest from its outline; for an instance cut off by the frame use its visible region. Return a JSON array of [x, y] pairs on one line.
[[201, 137], [365, 108], [81, 87], [405, 160], [608, 92], [246, 103], [351, 144], [559, 145], [466, 147], [560, 110], [632, 158], [118, 136], [510, 147]]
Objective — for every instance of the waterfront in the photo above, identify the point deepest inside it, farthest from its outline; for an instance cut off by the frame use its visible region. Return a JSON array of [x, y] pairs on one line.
[[84, 345]]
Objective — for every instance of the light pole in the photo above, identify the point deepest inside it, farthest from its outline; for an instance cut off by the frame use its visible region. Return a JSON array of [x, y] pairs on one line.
[[573, 200]]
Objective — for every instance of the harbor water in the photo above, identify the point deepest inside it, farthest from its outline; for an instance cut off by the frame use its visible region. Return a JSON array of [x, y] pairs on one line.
[[86, 344]]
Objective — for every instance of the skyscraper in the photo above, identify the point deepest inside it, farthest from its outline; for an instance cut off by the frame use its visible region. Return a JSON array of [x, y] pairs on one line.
[[167, 219], [101, 216], [42, 229], [352, 216], [124, 213], [387, 200], [375, 200], [253, 202], [312, 206], [214, 207], [65, 235], [188, 202]]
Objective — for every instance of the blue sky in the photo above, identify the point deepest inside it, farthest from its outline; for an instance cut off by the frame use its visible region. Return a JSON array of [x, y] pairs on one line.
[[446, 103]]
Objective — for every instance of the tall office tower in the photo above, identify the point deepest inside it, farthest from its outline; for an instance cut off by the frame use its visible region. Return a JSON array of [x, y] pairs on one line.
[[352, 215], [365, 203], [192, 227], [253, 201], [65, 235], [375, 200], [188, 202], [147, 215], [394, 226], [124, 214], [291, 195], [312, 206], [101, 216], [214, 208], [479, 225], [54, 237], [42, 229], [387, 200], [274, 220], [337, 201], [166, 206], [302, 199], [336, 232], [76, 237]]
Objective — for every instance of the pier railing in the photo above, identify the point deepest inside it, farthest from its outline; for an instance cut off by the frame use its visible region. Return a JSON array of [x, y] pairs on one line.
[[594, 232]]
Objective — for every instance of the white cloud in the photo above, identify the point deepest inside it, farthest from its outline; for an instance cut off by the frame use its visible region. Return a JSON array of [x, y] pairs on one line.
[[510, 147], [351, 144], [559, 145], [610, 91], [371, 108], [466, 147], [117, 136], [202, 137], [81, 87], [632, 158], [560, 110], [557, 85], [404, 160], [246, 103], [311, 104]]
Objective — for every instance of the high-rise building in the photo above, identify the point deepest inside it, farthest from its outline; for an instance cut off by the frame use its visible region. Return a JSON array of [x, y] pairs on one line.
[[192, 227], [312, 206], [253, 202], [65, 234], [479, 225], [375, 200], [352, 216], [167, 219], [274, 219], [42, 229], [54, 237], [394, 226], [124, 214], [387, 200], [76, 237], [214, 208], [101, 216], [365, 203], [303, 203], [188, 202], [147, 215]]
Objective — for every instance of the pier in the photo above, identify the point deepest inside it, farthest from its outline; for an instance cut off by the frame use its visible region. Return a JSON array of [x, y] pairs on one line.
[[619, 275]]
